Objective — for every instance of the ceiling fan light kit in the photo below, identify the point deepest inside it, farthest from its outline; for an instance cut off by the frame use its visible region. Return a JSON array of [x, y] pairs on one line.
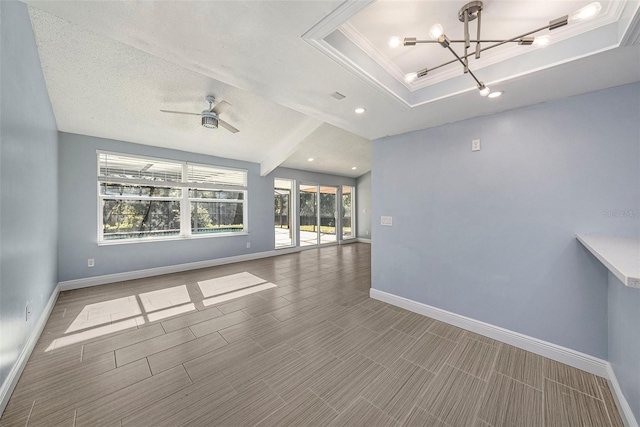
[[473, 11]]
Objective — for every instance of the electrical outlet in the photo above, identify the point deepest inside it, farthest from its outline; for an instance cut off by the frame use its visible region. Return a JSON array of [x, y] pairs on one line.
[[248, 245], [91, 262], [367, 232], [386, 220], [27, 311], [475, 145]]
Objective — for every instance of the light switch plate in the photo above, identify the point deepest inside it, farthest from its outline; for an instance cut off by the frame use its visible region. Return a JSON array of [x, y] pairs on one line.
[[386, 220]]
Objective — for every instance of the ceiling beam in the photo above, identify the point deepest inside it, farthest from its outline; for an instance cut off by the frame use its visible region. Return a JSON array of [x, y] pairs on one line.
[[287, 147]]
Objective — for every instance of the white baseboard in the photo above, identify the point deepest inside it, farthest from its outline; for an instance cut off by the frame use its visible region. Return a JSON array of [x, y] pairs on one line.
[[149, 272], [552, 351], [14, 375], [361, 240], [556, 352], [621, 402]]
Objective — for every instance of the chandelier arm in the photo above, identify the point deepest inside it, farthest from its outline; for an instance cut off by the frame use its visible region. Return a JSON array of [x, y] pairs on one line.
[[462, 62], [478, 34], [467, 41], [443, 64], [497, 43], [514, 39]]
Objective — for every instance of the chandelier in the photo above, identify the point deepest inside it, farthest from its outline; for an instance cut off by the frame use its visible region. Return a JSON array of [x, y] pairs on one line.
[[472, 11]]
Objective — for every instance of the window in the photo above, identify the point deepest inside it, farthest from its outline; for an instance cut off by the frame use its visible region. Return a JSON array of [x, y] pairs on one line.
[[146, 198]]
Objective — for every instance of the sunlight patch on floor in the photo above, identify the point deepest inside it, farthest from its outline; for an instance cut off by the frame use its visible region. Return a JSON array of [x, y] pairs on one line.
[[230, 283], [165, 298], [105, 312]]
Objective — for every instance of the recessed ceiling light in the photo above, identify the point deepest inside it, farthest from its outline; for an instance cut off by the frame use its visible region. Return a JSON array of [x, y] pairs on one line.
[[354, 168], [495, 94], [310, 159], [360, 110]]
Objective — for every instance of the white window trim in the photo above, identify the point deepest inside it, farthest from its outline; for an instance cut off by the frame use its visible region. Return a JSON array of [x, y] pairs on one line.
[[185, 201]]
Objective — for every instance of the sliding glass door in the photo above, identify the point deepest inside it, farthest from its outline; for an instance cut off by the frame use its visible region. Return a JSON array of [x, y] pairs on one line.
[[348, 223], [308, 228], [328, 215], [283, 213]]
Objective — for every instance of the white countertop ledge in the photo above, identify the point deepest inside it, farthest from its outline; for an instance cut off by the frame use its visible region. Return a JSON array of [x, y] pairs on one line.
[[621, 255]]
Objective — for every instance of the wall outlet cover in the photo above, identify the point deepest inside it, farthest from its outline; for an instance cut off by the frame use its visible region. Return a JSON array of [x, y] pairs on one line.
[[475, 145], [386, 221]]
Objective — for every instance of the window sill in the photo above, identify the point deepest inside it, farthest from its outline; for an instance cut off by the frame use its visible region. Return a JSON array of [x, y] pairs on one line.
[[169, 239]]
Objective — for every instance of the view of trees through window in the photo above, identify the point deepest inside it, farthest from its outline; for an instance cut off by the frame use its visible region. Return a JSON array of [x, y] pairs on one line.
[[216, 211], [127, 218], [347, 218], [145, 198]]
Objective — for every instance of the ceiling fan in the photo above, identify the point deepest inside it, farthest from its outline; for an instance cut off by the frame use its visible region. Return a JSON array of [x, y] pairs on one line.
[[211, 117]]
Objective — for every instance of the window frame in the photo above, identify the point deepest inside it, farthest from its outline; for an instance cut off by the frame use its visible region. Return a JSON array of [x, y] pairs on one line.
[[184, 200]]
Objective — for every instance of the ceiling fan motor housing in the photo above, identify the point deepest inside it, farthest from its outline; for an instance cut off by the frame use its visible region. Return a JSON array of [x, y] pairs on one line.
[[209, 119]]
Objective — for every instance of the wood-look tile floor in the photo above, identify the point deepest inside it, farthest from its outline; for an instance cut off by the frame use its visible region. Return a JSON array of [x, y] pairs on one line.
[[314, 350]]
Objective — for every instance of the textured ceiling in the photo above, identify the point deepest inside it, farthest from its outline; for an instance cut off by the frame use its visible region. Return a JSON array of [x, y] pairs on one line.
[[102, 87], [110, 66]]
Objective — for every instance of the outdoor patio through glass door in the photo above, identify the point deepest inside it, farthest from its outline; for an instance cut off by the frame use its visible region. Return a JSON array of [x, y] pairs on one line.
[[318, 215]]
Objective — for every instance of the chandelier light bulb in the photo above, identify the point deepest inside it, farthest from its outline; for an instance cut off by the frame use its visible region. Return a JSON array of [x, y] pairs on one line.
[[410, 77], [484, 90], [589, 11], [436, 31], [395, 42], [542, 41]]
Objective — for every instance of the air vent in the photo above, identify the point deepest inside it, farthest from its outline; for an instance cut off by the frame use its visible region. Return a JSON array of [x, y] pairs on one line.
[[338, 96]]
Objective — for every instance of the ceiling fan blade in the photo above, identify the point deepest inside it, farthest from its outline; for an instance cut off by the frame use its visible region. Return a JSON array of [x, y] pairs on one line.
[[227, 126], [181, 112], [221, 107]]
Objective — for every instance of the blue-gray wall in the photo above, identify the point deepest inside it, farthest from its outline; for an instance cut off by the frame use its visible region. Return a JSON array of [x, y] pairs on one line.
[[28, 186], [363, 204], [491, 234], [79, 216], [624, 339]]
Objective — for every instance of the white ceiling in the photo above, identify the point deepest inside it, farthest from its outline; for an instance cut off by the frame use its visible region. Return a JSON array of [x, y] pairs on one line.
[[110, 66], [376, 24]]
